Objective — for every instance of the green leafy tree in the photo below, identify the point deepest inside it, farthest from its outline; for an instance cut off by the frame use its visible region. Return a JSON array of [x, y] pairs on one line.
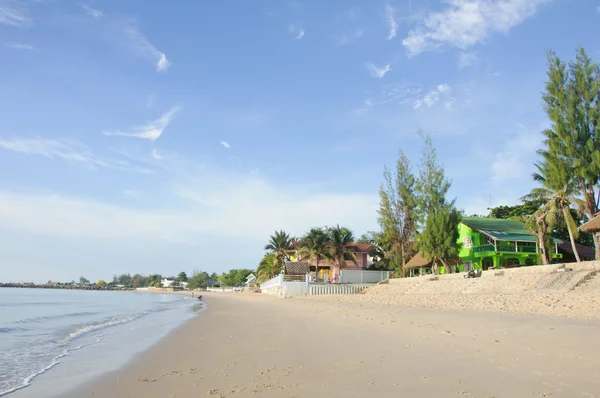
[[438, 240], [182, 277], [198, 280], [101, 283], [339, 239], [155, 280], [315, 247], [123, 279], [572, 103], [235, 277], [139, 281], [83, 281], [398, 213], [280, 244], [214, 277]]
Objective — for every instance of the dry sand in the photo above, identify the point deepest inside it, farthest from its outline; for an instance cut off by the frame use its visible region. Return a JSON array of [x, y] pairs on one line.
[[245, 345], [518, 292]]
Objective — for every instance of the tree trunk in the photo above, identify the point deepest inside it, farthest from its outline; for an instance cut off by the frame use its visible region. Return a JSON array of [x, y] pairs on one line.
[[541, 233], [567, 216], [317, 271], [597, 244]]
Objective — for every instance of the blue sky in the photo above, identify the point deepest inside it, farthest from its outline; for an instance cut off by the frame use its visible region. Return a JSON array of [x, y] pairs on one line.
[[144, 137]]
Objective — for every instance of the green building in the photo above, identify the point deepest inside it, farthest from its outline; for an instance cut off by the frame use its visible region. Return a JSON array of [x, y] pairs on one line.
[[494, 242]]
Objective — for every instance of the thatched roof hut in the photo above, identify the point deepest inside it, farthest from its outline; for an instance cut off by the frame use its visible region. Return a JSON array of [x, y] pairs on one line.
[[591, 226], [296, 268]]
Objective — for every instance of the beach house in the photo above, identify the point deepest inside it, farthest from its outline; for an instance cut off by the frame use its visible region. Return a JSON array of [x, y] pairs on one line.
[[360, 250], [498, 243], [487, 243]]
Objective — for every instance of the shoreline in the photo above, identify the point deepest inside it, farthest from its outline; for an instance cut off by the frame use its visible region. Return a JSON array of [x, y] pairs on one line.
[[111, 350], [245, 345]]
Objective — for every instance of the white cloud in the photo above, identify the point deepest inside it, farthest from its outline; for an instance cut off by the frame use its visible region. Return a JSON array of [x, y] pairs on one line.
[[225, 144], [350, 36], [20, 46], [297, 31], [391, 22], [14, 13], [465, 23], [466, 59], [514, 158], [598, 10], [131, 193], [92, 11], [155, 155], [433, 97], [230, 205], [376, 72], [66, 150], [150, 131], [140, 44]]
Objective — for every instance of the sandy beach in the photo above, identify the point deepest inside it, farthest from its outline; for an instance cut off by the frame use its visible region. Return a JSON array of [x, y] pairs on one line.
[[245, 345]]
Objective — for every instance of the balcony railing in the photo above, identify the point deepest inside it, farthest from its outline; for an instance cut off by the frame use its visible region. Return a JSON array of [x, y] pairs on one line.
[[506, 249]]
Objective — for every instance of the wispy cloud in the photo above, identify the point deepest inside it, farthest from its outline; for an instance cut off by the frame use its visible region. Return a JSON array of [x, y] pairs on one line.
[[466, 59], [465, 23], [21, 46], [433, 97], [131, 193], [225, 144], [155, 155], [350, 36], [140, 44], [297, 31], [14, 13], [377, 72], [151, 130], [65, 150], [598, 10], [92, 11], [391, 22], [515, 156]]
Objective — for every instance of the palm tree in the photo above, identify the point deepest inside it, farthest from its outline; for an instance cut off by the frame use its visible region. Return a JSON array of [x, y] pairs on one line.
[[267, 268], [280, 244], [559, 191], [315, 247], [339, 239]]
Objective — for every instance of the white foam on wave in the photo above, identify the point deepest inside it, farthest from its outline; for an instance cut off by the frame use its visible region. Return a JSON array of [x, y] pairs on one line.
[[97, 326], [55, 361]]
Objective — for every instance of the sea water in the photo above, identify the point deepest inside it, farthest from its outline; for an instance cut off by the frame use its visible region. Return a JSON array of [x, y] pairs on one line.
[[54, 340]]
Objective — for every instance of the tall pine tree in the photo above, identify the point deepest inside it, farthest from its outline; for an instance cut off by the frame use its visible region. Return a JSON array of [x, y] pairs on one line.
[[572, 102], [398, 213], [438, 241]]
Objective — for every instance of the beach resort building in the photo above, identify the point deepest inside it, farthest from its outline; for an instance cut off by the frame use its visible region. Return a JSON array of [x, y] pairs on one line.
[[490, 243], [326, 268]]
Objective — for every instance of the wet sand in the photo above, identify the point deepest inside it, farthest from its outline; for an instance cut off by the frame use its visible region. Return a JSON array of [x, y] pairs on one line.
[[246, 345]]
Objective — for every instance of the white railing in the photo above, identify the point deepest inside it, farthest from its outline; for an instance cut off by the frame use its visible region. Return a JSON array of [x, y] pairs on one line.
[[322, 289], [358, 276]]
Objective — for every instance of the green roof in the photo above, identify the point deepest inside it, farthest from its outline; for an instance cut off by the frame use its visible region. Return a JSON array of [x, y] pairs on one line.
[[501, 229]]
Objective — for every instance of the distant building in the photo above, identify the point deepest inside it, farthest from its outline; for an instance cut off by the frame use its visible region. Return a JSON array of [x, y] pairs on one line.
[[168, 282]]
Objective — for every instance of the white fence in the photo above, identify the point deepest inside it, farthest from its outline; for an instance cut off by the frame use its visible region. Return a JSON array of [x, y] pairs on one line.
[[322, 289], [356, 276], [279, 287]]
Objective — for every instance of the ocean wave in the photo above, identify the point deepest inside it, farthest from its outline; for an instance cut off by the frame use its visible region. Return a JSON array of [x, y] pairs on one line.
[[12, 330], [92, 327], [55, 361], [38, 319]]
